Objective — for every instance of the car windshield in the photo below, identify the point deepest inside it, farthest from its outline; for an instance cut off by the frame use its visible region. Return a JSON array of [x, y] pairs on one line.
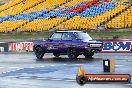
[[83, 36]]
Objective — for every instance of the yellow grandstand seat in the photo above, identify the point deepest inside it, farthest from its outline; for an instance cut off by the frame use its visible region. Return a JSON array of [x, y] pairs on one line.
[[123, 20], [10, 3], [8, 26], [21, 7], [76, 22], [93, 22], [42, 24], [48, 4]]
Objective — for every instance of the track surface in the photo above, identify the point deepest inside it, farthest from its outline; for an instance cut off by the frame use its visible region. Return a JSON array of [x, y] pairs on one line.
[[23, 71]]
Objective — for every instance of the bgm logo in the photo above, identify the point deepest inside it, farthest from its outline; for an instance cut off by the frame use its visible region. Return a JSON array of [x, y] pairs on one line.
[[117, 46]]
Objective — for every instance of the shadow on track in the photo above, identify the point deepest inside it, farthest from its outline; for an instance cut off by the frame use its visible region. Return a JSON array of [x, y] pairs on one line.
[[68, 60]]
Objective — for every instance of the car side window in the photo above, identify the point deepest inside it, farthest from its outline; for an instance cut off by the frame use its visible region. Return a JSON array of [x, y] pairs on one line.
[[56, 36], [66, 36], [77, 36]]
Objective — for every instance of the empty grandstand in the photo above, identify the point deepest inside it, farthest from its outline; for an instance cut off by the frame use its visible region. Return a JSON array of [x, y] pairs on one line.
[[43, 15]]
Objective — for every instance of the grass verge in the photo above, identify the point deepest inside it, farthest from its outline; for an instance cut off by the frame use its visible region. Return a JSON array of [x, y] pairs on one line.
[[41, 35]]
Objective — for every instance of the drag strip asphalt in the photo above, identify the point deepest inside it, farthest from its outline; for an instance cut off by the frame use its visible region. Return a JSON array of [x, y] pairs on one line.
[[18, 67]]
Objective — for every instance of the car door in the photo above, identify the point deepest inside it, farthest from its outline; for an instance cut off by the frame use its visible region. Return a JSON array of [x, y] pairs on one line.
[[65, 42], [53, 43]]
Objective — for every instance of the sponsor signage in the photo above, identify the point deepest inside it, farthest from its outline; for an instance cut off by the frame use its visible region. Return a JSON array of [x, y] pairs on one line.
[[21, 46], [117, 46]]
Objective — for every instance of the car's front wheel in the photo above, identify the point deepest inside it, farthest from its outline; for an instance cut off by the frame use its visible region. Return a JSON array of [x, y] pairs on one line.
[[88, 54], [72, 53], [39, 52]]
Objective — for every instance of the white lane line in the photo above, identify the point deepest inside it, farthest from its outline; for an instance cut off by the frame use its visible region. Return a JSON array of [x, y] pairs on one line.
[[42, 66], [129, 60], [129, 84], [1, 67], [14, 67], [42, 78], [56, 79], [32, 67], [18, 69], [70, 80], [52, 65], [4, 72], [10, 76], [119, 65], [8, 71], [21, 68], [26, 77], [13, 70], [77, 64], [65, 64], [10, 67]]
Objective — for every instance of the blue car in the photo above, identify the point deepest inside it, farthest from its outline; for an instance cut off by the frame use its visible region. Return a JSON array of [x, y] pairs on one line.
[[71, 43]]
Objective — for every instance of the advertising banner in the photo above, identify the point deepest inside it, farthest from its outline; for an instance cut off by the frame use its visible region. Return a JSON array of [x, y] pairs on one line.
[[124, 45], [21, 46]]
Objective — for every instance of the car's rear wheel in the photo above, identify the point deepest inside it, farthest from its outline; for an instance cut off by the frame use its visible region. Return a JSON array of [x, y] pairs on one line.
[[56, 54], [88, 54], [72, 53], [39, 52]]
